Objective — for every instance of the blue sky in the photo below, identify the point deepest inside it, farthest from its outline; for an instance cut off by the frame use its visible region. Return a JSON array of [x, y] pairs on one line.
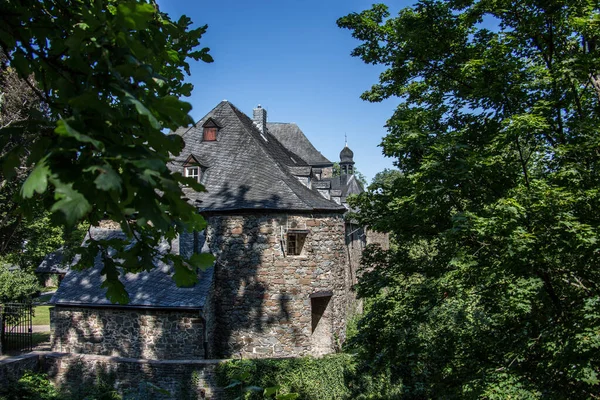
[[290, 57]]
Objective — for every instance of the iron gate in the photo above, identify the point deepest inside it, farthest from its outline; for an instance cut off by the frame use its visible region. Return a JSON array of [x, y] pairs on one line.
[[16, 321]]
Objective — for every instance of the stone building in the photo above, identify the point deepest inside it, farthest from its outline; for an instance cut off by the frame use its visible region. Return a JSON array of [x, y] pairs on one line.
[[286, 256]]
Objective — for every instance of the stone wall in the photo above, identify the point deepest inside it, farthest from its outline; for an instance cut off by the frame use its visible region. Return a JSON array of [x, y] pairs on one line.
[[262, 296], [136, 333], [183, 379], [379, 238], [12, 368], [355, 242]]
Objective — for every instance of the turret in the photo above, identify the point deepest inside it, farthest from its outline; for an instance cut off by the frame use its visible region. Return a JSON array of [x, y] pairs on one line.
[[346, 161]]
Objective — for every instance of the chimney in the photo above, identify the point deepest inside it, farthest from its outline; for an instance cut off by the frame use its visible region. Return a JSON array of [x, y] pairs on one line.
[[260, 118]]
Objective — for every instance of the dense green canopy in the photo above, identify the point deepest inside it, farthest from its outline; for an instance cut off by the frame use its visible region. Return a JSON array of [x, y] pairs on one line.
[[494, 288], [109, 75]]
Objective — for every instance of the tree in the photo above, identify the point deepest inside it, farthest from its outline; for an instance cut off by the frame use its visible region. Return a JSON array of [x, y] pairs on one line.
[[494, 290], [110, 74], [23, 242], [17, 285], [385, 179]]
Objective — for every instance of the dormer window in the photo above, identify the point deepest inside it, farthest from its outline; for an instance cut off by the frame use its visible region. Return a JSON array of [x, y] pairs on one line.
[[193, 169], [210, 130], [193, 172]]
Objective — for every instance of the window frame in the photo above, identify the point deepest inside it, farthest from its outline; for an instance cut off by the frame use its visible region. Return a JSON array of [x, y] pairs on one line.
[[295, 240], [188, 168], [210, 131]]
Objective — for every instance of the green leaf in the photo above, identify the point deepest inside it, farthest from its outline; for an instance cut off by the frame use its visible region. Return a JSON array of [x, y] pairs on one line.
[[173, 55], [135, 15], [37, 181], [141, 109], [270, 391], [64, 129], [108, 178], [72, 204], [185, 275], [115, 290], [202, 261]]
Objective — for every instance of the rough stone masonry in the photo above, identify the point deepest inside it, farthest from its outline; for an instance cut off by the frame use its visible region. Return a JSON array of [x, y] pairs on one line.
[[271, 304]]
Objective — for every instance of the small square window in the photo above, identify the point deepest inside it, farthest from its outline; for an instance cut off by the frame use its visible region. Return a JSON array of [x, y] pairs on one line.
[[193, 172], [210, 134], [295, 242]]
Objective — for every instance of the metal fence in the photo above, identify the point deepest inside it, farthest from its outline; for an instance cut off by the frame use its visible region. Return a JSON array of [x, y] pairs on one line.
[[15, 326]]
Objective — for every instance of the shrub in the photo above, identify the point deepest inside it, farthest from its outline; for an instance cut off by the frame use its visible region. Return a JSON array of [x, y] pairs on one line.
[[16, 285], [312, 378], [31, 386]]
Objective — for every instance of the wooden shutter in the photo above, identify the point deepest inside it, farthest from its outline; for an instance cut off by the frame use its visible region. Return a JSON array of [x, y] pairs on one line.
[[210, 134]]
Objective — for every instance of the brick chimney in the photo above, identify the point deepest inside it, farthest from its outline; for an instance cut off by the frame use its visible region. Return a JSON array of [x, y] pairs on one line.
[[260, 118]]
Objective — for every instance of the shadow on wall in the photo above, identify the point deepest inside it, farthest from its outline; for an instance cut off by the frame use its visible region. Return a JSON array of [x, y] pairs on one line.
[[95, 377], [243, 304], [134, 333]]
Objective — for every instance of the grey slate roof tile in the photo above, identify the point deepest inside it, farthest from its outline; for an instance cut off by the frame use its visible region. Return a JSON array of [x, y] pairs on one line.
[[347, 184], [53, 263], [151, 289], [292, 137], [246, 169]]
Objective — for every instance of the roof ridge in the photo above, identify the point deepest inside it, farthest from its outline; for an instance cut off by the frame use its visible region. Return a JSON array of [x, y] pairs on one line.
[[285, 173], [197, 122]]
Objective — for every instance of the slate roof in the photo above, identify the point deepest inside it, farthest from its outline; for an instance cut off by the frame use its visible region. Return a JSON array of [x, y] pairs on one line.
[[148, 289], [346, 155], [292, 137], [245, 169], [53, 263], [347, 184]]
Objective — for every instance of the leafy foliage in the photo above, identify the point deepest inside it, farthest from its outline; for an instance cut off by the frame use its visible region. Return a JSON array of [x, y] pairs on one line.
[[110, 75], [17, 285], [492, 291], [31, 386], [302, 378]]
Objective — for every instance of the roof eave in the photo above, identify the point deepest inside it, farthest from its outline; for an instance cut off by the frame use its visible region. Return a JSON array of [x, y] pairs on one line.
[[127, 306]]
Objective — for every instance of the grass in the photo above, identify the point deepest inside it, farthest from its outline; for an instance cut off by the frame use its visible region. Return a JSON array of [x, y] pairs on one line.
[[41, 315], [40, 337]]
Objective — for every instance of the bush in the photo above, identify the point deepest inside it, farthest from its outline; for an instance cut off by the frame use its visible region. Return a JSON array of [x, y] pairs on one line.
[[31, 386], [312, 378]]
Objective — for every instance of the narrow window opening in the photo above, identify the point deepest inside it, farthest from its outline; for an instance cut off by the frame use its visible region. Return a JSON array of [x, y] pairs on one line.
[[318, 306], [295, 242]]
